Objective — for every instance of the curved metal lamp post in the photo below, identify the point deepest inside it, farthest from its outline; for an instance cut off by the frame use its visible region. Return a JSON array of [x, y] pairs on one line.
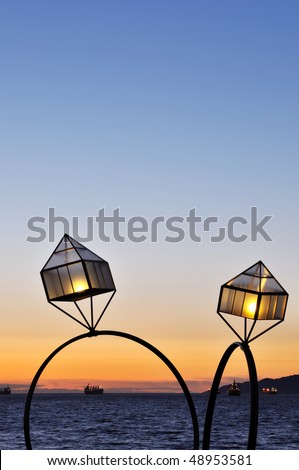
[[255, 295], [74, 273]]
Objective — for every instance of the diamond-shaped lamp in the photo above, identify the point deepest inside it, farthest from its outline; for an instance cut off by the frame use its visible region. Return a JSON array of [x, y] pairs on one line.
[[73, 273], [254, 294]]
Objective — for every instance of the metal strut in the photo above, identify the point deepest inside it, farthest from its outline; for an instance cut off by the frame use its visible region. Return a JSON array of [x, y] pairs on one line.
[[122, 335], [254, 403]]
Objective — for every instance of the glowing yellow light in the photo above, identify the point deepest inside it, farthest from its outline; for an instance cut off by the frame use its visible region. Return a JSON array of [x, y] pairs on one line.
[[250, 309], [79, 287], [263, 283]]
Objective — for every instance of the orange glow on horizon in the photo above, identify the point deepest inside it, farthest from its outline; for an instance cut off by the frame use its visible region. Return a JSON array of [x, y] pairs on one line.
[[119, 365], [194, 342]]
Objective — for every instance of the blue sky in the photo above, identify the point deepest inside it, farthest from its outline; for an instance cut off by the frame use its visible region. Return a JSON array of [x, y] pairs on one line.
[[153, 107]]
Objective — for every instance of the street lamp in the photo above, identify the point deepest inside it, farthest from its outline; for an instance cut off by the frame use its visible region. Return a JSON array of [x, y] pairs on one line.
[[254, 295], [72, 274]]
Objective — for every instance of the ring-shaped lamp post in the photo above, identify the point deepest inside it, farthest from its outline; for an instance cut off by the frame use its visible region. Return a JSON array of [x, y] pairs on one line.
[[254, 295], [74, 273]]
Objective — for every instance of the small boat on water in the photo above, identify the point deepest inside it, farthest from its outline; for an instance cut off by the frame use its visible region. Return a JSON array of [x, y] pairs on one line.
[[269, 390], [234, 389], [93, 390], [5, 390]]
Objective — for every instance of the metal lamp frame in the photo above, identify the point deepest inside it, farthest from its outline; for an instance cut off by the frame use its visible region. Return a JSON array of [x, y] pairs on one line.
[[254, 403], [93, 333], [243, 344]]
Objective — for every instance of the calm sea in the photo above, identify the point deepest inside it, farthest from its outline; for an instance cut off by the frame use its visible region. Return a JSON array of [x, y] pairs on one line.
[[145, 421]]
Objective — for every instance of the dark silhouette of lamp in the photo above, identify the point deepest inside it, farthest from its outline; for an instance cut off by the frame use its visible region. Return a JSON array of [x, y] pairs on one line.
[[254, 295], [74, 273]]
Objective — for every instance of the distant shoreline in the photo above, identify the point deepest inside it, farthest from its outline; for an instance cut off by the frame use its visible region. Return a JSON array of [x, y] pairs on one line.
[[285, 385]]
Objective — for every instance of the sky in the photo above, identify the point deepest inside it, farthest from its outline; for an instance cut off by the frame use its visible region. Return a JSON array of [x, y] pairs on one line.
[[147, 109]]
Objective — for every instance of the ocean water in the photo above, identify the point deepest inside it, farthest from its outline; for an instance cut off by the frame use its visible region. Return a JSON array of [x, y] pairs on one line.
[[145, 421]]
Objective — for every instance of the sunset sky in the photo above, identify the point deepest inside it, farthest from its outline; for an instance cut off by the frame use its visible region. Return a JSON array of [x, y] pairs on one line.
[[150, 109]]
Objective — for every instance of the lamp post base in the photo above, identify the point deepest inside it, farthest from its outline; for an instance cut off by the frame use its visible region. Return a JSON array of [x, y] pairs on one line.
[[253, 425], [140, 341]]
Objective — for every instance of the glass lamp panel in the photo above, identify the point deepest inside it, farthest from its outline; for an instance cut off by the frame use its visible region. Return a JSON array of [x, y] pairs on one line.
[[269, 284], [101, 280], [227, 300], [99, 275], [107, 276], [238, 303], [280, 307], [74, 243], [249, 305], [62, 257], [264, 307], [272, 307], [254, 270], [245, 282], [53, 284], [70, 256], [263, 312], [264, 271], [254, 284], [64, 244], [65, 280], [78, 277], [88, 255], [240, 281], [92, 275]]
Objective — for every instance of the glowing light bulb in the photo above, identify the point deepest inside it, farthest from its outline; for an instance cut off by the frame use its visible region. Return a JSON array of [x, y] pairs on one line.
[[250, 309], [79, 287]]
